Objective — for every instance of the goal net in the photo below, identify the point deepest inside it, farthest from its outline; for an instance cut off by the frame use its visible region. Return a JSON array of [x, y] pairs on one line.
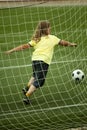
[[61, 103]]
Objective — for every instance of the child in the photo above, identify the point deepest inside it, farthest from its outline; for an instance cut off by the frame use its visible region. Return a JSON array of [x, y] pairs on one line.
[[43, 43]]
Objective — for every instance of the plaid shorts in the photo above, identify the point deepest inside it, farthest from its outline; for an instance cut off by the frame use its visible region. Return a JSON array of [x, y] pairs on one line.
[[40, 70]]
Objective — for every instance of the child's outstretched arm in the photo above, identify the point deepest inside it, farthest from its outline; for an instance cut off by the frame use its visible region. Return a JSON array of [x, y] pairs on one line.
[[19, 48], [66, 43]]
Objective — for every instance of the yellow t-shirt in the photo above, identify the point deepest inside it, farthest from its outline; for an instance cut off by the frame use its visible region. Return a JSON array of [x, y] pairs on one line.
[[44, 48]]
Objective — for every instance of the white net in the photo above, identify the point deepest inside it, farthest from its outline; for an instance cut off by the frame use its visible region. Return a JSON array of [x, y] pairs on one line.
[[61, 103]]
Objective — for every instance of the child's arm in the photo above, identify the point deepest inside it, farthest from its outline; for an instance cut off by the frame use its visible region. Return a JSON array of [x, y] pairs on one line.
[[66, 43], [19, 48]]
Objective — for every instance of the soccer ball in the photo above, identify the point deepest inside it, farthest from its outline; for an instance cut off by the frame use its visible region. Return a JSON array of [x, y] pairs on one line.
[[77, 75]]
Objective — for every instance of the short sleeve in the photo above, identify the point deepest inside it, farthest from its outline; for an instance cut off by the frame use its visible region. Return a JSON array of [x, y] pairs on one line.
[[57, 40], [32, 43]]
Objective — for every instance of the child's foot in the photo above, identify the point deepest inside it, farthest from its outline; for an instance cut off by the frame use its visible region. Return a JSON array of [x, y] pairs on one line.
[[26, 100], [25, 89]]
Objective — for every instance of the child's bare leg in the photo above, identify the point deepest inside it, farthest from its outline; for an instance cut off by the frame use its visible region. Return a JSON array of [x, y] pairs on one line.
[[25, 89], [30, 82], [31, 90]]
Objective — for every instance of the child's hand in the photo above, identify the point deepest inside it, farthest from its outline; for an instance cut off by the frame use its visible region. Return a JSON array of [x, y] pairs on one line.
[[8, 52], [73, 44]]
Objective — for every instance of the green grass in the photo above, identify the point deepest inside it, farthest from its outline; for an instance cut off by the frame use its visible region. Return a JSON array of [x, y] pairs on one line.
[[61, 103]]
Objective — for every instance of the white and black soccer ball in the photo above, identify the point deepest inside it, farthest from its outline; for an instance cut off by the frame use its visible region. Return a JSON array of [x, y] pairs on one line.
[[78, 75]]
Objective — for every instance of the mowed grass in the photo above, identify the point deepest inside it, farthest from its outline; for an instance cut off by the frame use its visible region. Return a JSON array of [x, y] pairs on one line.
[[60, 103]]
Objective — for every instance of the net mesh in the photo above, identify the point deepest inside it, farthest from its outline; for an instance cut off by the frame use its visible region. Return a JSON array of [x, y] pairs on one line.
[[61, 103]]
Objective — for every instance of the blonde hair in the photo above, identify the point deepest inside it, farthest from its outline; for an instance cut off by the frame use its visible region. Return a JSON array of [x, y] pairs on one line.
[[41, 30]]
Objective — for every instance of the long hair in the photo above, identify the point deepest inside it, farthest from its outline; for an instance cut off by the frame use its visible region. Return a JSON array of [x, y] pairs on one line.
[[41, 30]]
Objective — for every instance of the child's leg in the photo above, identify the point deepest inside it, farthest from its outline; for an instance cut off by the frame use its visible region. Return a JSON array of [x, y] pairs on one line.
[[31, 90], [25, 89], [28, 93], [30, 82]]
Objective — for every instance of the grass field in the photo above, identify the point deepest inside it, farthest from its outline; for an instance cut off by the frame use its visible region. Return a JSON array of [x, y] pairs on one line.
[[61, 103]]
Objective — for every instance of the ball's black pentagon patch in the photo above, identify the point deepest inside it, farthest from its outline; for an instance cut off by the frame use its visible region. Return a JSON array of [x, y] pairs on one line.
[[78, 72]]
